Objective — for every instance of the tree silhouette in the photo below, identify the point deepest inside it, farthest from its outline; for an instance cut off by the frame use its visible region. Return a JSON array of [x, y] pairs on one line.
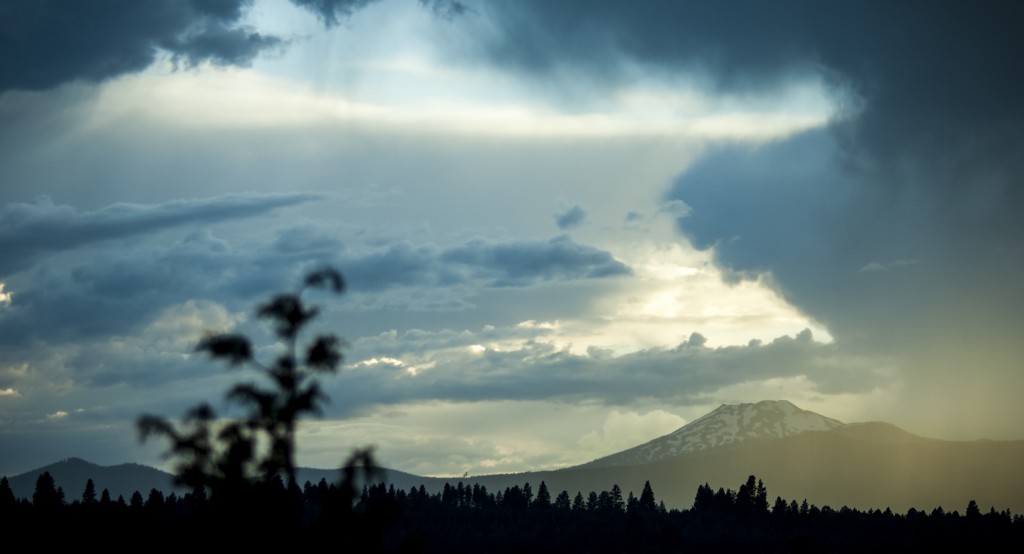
[[543, 497], [222, 457], [89, 494], [746, 496], [7, 499], [705, 498], [578, 504], [761, 498], [562, 501], [617, 504], [46, 495], [647, 502]]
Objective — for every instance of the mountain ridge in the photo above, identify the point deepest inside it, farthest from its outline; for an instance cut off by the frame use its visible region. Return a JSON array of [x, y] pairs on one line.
[[73, 473], [727, 424]]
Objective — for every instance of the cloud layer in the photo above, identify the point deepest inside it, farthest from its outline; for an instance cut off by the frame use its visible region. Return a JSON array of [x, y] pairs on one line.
[[31, 230], [861, 162]]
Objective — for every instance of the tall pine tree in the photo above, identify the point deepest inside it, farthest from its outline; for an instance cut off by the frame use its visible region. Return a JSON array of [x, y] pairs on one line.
[[647, 502], [89, 494], [46, 495]]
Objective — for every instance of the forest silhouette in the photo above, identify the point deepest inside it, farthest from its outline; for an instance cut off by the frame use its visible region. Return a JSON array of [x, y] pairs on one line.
[[240, 478]]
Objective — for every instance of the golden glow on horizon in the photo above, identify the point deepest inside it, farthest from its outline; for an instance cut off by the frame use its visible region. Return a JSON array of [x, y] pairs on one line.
[[497, 436], [674, 291]]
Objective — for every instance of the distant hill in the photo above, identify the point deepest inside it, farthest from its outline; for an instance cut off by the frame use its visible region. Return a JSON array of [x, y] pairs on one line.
[[399, 479], [72, 474]]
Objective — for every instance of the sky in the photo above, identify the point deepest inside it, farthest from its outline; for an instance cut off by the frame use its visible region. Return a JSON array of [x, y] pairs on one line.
[[566, 228]]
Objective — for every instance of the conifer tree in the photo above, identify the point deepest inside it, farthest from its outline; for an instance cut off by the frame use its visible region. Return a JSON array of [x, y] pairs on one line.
[[761, 498], [155, 501], [745, 496], [578, 505], [779, 508], [647, 502], [7, 499], [543, 497], [46, 495], [562, 501], [705, 498], [617, 504], [89, 494]]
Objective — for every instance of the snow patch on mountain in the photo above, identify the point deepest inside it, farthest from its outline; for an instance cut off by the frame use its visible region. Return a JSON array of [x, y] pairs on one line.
[[728, 424]]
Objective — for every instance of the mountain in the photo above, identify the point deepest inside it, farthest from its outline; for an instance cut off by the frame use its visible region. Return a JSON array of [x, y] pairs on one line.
[[72, 474], [728, 424], [799, 455], [863, 466]]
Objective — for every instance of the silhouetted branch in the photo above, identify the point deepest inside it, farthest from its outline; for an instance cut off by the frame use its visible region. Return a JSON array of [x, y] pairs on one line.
[[326, 277], [236, 349], [324, 354], [226, 461]]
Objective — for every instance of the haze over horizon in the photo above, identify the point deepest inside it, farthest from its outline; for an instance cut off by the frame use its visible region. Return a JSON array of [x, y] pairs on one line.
[[567, 228]]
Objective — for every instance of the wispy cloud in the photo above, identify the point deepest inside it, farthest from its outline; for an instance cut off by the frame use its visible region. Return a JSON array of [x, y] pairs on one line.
[[571, 218], [29, 230]]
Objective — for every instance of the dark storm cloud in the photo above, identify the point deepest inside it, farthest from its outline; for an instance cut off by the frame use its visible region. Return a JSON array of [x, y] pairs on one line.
[[46, 43], [117, 291], [525, 262], [446, 9], [478, 262], [935, 79], [757, 206], [925, 161], [869, 266], [331, 12], [571, 218], [736, 43], [30, 230]]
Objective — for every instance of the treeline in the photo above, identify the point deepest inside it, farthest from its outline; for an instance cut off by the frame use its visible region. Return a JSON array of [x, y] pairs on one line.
[[470, 518]]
